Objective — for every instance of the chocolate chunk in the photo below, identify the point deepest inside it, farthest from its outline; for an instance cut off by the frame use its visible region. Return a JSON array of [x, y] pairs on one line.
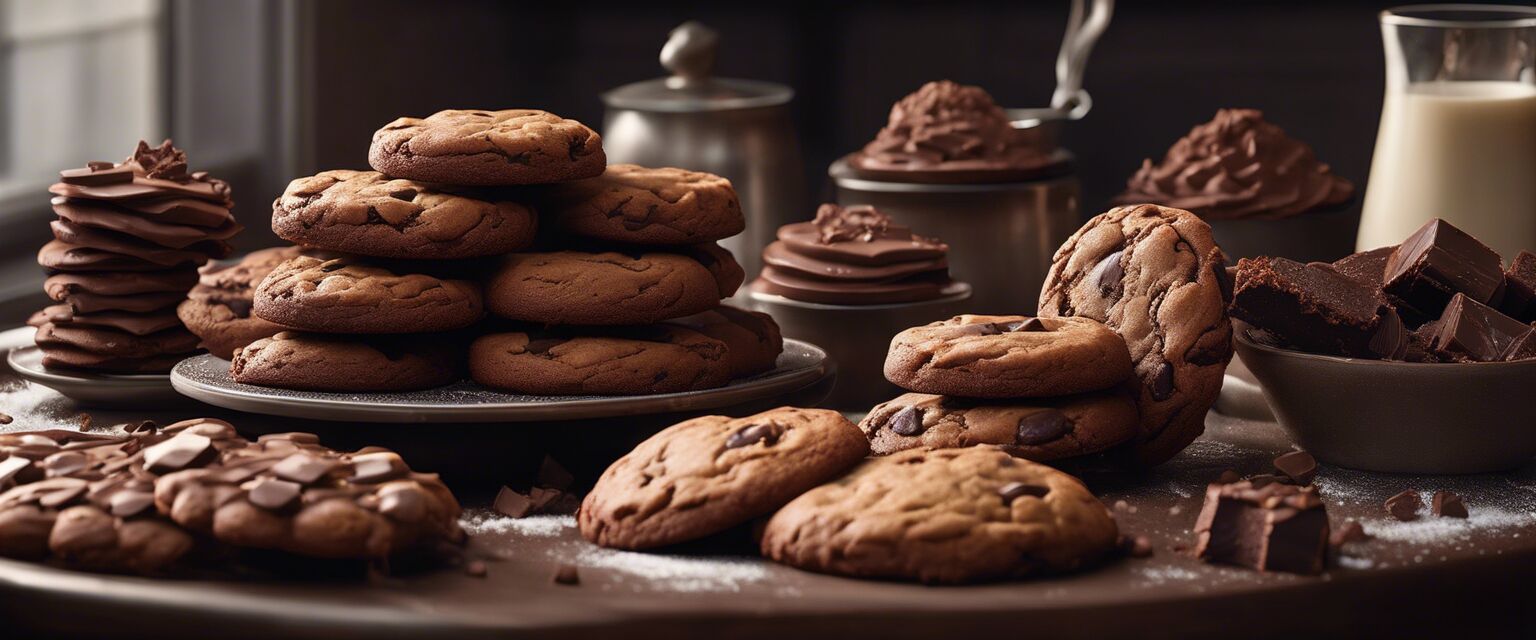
[[5, 419], [1314, 308], [402, 505], [1299, 466], [404, 194], [303, 468], [65, 463], [512, 504], [1448, 505], [767, 433], [1519, 300], [1523, 348], [1162, 382], [128, 503], [378, 466], [1109, 276], [566, 575], [542, 345], [1278, 527], [97, 174], [1032, 324], [1437, 262], [1015, 490], [1350, 532], [907, 422], [1041, 427], [274, 494], [185, 450], [553, 475], [11, 467], [1404, 506], [1470, 331], [59, 493], [146, 426]]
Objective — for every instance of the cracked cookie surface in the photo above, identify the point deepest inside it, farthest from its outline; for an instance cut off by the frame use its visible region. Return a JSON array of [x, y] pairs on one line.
[[487, 148], [943, 516], [345, 295], [320, 362], [709, 474], [610, 288], [1155, 276], [367, 213], [620, 361], [1008, 357], [1040, 429], [640, 205]]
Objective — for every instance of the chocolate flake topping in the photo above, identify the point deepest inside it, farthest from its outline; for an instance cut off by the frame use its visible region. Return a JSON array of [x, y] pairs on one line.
[[164, 162]]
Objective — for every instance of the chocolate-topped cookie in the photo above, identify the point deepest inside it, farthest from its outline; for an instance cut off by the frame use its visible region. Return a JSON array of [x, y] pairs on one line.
[[371, 363], [1039, 429], [487, 148], [610, 288], [1008, 357], [752, 339], [709, 474], [943, 516], [351, 295], [642, 205], [219, 308], [368, 213], [620, 361], [1155, 276]]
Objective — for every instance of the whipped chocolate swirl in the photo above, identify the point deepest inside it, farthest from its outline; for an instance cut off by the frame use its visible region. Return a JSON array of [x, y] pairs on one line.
[[854, 256], [1238, 166], [946, 127]]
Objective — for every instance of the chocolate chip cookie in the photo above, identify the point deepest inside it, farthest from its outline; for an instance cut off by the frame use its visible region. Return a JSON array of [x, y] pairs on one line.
[[640, 205], [1038, 429], [321, 362], [488, 148], [752, 339], [609, 288], [218, 309], [348, 295], [625, 361], [367, 213], [709, 474], [943, 516], [1155, 276], [1008, 357]]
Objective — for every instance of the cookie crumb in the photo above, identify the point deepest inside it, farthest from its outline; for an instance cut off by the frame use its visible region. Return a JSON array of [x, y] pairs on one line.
[[566, 575], [5, 419], [1404, 506]]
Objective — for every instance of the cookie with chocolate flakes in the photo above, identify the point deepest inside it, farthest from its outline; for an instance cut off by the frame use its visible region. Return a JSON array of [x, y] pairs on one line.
[[709, 474], [1039, 429], [218, 309]]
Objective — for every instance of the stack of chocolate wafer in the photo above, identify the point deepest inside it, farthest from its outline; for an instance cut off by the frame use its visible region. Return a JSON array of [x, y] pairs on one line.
[[129, 239]]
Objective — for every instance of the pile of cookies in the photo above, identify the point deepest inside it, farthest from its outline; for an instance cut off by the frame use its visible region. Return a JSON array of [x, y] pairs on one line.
[[127, 244], [619, 294], [932, 515], [141, 500]]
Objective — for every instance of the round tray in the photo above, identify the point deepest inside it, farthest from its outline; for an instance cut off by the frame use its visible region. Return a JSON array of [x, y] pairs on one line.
[[206, 379], [93, 389]]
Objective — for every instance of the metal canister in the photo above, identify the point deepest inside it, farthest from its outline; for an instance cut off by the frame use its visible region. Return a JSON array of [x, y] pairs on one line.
[[739, 129]]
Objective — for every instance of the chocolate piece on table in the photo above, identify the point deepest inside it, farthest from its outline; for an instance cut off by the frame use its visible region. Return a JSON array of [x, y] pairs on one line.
[[1437, 262], [1314, 308], [1350, 532], [566, 574], [1448, 505], [1405, 506], [1277, 527], [1519, 301], [512, 504], [1299, 466], [1470, 331], [553, 475]]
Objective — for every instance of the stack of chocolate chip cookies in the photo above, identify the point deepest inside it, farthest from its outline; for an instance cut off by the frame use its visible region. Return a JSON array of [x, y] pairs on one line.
[[1041, 388], [128, 241], [624, 298]]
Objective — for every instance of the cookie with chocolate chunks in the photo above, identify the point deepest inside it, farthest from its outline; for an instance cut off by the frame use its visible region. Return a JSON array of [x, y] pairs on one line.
[[218, 309], [1008, 357], [943, 516], [1155, 276], [709, 474], [1040, 429], [488, 148], [355, 295]]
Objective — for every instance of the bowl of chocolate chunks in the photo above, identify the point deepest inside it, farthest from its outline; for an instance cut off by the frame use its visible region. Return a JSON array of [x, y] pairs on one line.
[[1417, 358]]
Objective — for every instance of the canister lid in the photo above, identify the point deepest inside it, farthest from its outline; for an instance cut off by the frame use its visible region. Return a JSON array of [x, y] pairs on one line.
[[690, 55]]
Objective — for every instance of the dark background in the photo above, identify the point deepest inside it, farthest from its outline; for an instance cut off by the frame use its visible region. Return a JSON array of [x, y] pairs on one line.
[[1315, 68]]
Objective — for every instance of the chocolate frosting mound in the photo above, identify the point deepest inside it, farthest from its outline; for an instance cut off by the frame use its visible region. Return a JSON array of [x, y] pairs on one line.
[[1238, 166], [946, 127], [854, 256]]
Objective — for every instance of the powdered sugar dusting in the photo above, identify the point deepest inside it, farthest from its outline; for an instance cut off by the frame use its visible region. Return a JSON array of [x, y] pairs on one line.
[[485, 521], [1434, 530]]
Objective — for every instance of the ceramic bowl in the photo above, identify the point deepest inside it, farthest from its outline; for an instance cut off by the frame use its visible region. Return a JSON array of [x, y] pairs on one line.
[[1401, 417]]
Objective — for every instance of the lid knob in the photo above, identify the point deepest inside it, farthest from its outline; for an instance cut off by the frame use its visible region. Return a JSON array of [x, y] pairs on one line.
[[689, 54]]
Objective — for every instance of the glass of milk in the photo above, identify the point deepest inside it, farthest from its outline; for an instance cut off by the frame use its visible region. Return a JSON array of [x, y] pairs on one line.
[[1458, 126]]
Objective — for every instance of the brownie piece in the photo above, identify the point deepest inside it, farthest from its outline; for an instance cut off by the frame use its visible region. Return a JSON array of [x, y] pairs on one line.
[[1470, 331], [1437, 262], [1276, 527], [1367, 267], [1315, 308], [1519, 300]]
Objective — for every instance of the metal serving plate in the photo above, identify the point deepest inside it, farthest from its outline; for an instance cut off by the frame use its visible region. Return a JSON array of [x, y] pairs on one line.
[[91, 389], [206, 378]]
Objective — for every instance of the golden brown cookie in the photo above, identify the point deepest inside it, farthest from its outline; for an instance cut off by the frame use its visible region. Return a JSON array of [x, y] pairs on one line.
[[1040, 429], [943, 516], [348, 295], [487, 148], [709, 474], [622, 361], [1008, 357], [610, 288], [641, 205]]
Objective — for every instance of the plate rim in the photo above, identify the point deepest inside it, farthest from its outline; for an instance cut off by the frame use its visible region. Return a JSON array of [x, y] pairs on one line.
[[43, 376], [346, 407]]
